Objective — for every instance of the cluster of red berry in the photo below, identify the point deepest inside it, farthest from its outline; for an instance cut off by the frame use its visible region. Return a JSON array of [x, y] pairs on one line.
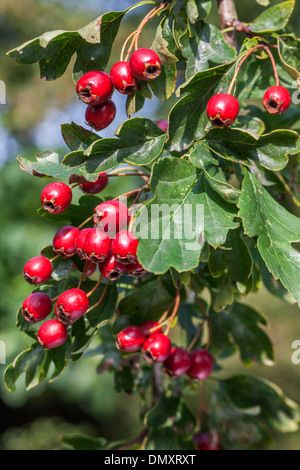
[[108, 246], [96, 88], [157, 348]]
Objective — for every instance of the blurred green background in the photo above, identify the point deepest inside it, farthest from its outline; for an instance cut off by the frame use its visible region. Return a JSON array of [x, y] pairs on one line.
[[80, 400]]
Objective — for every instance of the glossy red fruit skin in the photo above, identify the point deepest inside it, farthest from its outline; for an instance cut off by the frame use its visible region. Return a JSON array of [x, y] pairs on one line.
[[79, 243], [64, 240], [111, 269], [163, 125], [124, 247], [101, 116], [94, 87], [276, 99], [178, 362], [202, 364], [96, 246], [149, 325], [36, 307], [52, 334], [111, 216], [37, 270], [204, 441], [135, 270], [56, 197], [122, 78], [157, 348], [95, 187], [131, 339], [145, 64], [222, 110], [71, 305]]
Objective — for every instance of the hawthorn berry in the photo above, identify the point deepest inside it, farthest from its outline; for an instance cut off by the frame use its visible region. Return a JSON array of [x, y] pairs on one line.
[[71, 305], [276, 99], [95, 187], [122, 78], [145, 64], [36, 307], [178, 362], [130, 339], [124, 247], [94, 87], [157, 348], [80, 242], [111, 216], [202, 364], [96, 245], [111, 269], [163, 125], [101, 116], [205, 441], [52, 334], [222, 109], [64, 240], [56, 197], [149, 325], [135, 270], [37, 270]]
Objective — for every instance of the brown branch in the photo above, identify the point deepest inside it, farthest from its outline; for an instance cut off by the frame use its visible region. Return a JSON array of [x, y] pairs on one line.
[[227, 16]]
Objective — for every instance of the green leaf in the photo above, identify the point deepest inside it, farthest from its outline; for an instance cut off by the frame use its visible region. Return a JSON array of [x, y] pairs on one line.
[[164, 86], [247, 392], [269, 150], [203, 44], [264, 3], [92, 44], [188, 118], [76, 137], [164, 44], [276, 230], [184, 206], [204, 159], [47, 163], [34, 362], [289, 53], [198, 10], [171, 411], [134, 103], [241, 324], [274, 18], [61, 267], [161, 439], [83, 442], [139, 142]]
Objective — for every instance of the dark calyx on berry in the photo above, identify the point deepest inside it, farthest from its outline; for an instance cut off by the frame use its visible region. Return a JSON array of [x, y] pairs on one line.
[[276, 100]]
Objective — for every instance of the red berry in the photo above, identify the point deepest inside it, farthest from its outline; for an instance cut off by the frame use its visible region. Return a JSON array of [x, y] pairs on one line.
[[71, 305], [96, 245], [37, 270], [111, 269], [52, 334], [163, 125], [101, 116], [95, 187], [135, 270], [178, 362], [111, 216], [94, 87], [130, 339], [56, 197], [64, 240], [222, 110], [145, 64], [157, 348], [36, 307], [122, 78], [276, 100], [90, 268], [206, 441], [202, 364], [80, 242], [150, 325], [124, 247]]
